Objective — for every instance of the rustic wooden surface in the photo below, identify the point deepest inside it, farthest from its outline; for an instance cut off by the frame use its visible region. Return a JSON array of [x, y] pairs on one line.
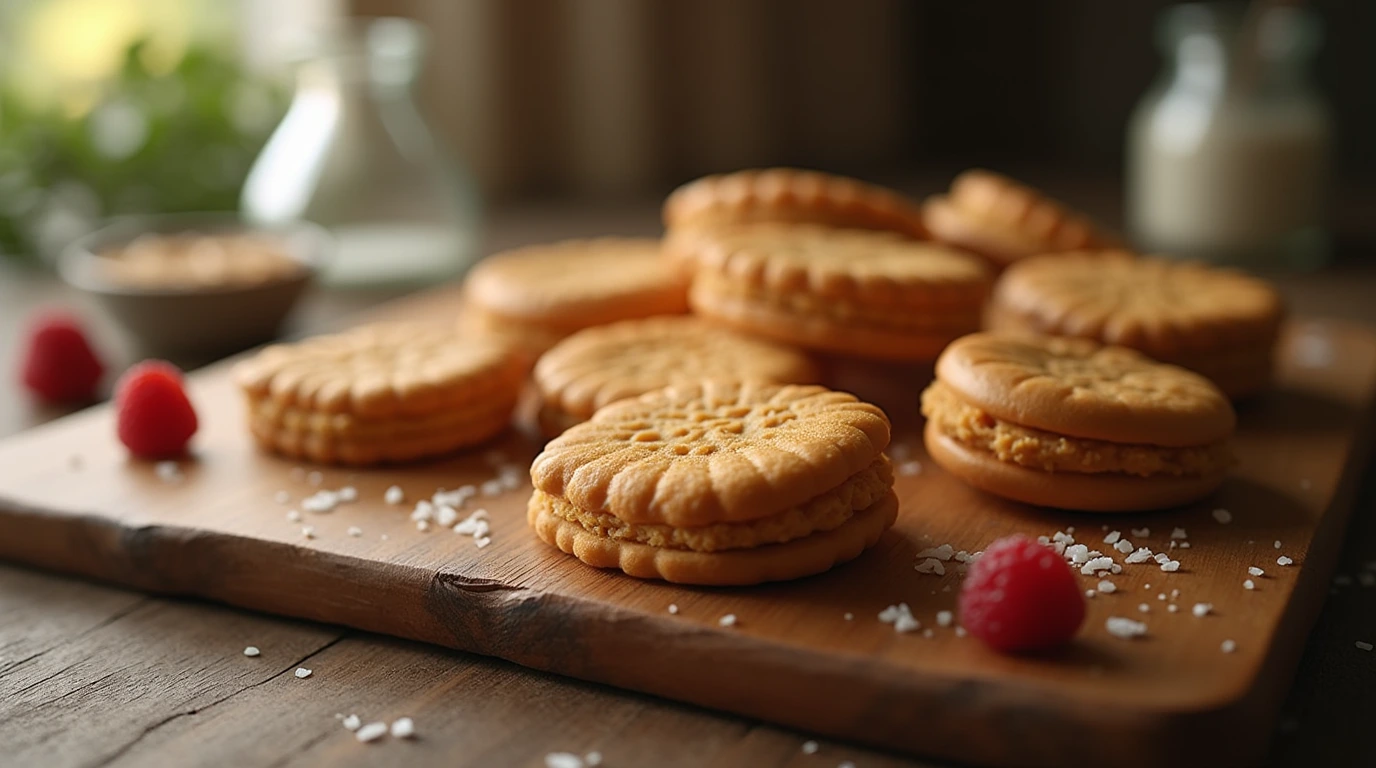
[[107, 675], [71, 501]]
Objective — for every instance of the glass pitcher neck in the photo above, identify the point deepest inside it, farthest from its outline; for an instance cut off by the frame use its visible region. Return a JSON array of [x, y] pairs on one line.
[[1201, 40], [384, 53]]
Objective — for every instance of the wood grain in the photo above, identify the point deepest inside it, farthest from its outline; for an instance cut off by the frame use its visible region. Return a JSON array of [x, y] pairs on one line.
[[793, 659]]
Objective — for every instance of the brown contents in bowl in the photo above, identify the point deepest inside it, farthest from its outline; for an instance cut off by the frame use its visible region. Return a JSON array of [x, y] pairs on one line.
[[189, 261]]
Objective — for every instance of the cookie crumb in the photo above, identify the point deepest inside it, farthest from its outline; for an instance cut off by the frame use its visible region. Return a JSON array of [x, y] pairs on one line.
[[1223, 516], [371, 732], [403, 728], [1228, 646], [252, 651], [302, 673], [394, 495], [729, 620]]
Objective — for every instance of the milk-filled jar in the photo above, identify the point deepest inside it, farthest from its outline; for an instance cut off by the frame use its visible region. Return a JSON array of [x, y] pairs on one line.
[[1228, 154]]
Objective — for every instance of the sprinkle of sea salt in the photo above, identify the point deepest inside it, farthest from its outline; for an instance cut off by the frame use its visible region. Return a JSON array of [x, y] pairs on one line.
[[910, 468], [1249, 584], [1255, 571], [293, 516], [315, 478], [308, 531], [252, 651], [422, 525], [1179, 533], [810, 747], [1184, 545], [960, 632], [1277, 543], [403, 728], [943, 552], [352, 723], [1077, 554], [394, 495], [1202, 609], [1096, 564], [1144, 608], [673, 608], [1223, 516], [1170, 566], [1228, 646], [1363, 645], [1124, 546], [729, 620], [1113, 537], [1125, 628], [1107, 587], [1142, 555], [354, 531], [491, 488], [1141, 533], [371, 732], [1089, 593], [592, 759], [447, 516], [424, 510], [944, 618], [302, 673], [901, 617], [1172, 607], [1161, 597]]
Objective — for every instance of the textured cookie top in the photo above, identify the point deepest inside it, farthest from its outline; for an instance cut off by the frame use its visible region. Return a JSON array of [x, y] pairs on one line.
[[600, 365], [712, 452], [1078, 388], [1161, 306], [878, 268], [1006, 220], [790, 195], [579, 283], [380, 370]]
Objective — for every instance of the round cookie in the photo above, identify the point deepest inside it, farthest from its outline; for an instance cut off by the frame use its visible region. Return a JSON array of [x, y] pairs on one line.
[[379, 393], [1218, 322], [1070, 423], [1005, 221], [597, 366], [718, 483], [858, 293], [539, 294], [790, 195]]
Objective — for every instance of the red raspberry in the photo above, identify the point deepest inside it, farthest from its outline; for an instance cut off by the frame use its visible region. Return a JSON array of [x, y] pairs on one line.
[[1021, 596], [156, 419], [59, 364]]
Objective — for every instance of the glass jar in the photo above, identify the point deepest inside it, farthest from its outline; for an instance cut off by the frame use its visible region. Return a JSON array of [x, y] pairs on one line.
[[1228, 152], [354, 155]]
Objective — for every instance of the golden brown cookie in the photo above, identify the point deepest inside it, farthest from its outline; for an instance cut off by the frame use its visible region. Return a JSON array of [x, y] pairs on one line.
[[718, 483], [790, 195], [379, 393], [539, 294], [597, 366], [1005, 221], [1218, 322], [1070, 423], [863, 294]]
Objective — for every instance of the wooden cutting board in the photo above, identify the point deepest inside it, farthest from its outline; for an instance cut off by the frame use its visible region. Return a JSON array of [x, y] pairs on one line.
[[810, 654]]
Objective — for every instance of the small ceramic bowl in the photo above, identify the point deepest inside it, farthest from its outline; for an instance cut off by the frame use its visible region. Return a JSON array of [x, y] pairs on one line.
[[195, 319]]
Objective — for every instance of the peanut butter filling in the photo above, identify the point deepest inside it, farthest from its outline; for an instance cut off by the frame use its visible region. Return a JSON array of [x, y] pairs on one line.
[[823, 513], [1049, 452]]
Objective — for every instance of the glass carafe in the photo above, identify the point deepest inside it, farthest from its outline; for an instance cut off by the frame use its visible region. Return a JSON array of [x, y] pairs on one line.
[[1228, 153], [354, 155]]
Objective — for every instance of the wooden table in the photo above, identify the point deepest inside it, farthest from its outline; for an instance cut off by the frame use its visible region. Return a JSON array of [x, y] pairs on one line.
[[91, 675]]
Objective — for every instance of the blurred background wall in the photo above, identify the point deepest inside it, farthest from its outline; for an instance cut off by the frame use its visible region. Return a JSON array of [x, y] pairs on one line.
[[549, 97]]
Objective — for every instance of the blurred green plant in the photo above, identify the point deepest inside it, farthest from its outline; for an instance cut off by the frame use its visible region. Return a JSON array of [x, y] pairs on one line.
[[165, 142]]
